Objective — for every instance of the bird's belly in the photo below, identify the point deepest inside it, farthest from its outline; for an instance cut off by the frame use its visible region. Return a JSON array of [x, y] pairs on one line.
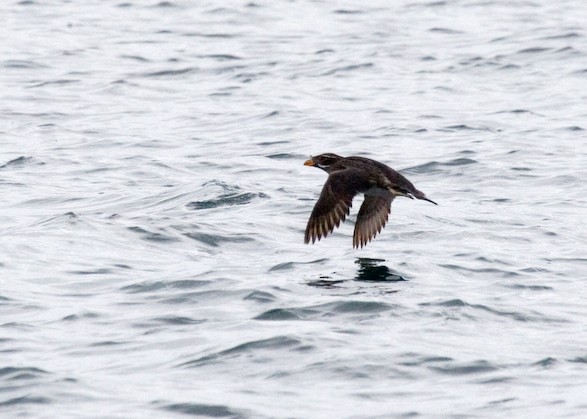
[[377, 191]]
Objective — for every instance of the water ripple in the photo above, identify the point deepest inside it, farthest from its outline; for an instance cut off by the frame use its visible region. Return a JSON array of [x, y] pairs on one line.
[[275, 343], [25, 400], [205, 410], [216, 240], [231, 196], [162, 285], [514, 315], [325, 310], [23, 373], [18, 162], [477, 367]]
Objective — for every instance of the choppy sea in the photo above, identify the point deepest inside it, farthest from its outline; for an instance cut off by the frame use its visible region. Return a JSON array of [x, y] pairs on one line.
[[154, 202]]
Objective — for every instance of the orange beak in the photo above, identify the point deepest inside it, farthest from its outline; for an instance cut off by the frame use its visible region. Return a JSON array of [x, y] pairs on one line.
[[309, 162]]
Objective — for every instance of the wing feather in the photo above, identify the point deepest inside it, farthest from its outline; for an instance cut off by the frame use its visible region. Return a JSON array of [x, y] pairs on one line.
[[372, 217], [335, 202]]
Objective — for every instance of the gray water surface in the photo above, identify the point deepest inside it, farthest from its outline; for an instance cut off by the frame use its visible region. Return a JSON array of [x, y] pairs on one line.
[[154, 201]]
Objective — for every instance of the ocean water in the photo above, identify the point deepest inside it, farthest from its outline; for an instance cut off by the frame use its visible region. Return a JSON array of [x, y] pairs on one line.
[[154, 202]]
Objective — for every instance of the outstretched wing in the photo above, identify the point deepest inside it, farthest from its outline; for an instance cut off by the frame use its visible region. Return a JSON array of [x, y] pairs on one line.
[[372, 218], [335, 202]]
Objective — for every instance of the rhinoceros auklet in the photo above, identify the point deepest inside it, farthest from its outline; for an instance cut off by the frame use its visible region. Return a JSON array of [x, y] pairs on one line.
[[348, 176]]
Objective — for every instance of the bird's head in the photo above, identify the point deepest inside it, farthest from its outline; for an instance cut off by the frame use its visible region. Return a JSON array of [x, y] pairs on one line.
[[323, 161]]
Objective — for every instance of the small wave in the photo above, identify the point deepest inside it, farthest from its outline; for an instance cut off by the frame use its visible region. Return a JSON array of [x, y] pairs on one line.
[[21, 373], [108, 343], [22, 64], [222, 57], [477, 367], [76, 317], [516, 112], [439, 3], [175, 321], [509, 67], [169, 73], [99, 271], [278, 342], [567, 35], [494, 271], [416, 360], [205, 410], [228, 199], [153, 236], [347, 68], [160, 285], [260, 297], [285, 266], [348, 12], [545, 362], [60, 82], [445, 31], [285, 156], [325, 310], [495, 380], [17, 162], [465, 127], [459, 162], [282, 314], [434, 166], [569, 51], [271, 114], [210, 35], [25, 400], [247, 77], [165, 4], [534, 50], [69, 218], [357, 306], [514, 315], [267, 143], [135, 58], [216, 240], [529, 287]]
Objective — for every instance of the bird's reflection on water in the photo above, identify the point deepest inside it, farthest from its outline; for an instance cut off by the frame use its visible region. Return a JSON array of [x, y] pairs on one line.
[[371, 270]]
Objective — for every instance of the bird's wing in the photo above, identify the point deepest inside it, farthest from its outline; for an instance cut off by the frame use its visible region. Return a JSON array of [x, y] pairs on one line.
[[335, 201], [372, 218]]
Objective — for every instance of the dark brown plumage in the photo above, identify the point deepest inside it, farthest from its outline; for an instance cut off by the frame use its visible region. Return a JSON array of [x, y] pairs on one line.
[[348, 176]]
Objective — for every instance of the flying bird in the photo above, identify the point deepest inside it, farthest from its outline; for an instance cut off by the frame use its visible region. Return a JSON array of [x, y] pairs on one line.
[[347, 177]]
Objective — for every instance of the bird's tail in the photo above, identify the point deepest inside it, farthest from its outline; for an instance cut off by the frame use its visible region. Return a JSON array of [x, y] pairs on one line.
[[421, 195]]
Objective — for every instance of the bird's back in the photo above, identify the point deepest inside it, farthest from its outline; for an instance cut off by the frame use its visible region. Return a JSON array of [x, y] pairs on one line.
[[397, 179]]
